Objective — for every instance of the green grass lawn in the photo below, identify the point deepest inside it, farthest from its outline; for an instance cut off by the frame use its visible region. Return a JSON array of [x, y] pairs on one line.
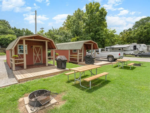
[[125, 91], [2, 53], [129, 55], [134, 56]]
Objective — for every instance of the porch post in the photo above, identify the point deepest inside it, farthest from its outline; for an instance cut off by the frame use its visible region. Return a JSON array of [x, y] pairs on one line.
[[13, 61], [24, 54], [46, 46], [77, 55], [82, 53], [53, 57], [69, 55], [91, 48]]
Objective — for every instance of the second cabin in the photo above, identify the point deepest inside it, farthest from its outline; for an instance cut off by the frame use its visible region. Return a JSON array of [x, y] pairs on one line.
[[75, 51]]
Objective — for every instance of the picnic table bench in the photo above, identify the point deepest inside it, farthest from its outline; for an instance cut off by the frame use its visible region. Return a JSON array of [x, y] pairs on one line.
[[89, 79], [131, 64]]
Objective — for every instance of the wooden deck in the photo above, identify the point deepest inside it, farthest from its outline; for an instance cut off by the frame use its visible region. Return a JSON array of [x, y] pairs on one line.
[[35, 73]]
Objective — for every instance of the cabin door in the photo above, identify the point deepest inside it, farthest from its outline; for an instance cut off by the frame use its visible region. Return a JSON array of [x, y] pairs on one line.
[[37, 55]]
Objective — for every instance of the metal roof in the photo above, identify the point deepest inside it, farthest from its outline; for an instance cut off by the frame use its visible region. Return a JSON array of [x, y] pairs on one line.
[[13, 43], [75, 45], [118, 46]]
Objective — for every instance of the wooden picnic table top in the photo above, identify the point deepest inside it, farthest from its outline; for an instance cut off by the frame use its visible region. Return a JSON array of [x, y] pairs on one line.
[[122, 60], [85, 68]]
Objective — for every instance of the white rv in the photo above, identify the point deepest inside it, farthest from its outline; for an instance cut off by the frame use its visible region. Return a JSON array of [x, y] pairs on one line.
[[133, 48]]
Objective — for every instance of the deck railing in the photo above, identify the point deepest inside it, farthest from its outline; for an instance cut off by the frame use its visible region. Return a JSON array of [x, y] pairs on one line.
[[16, 61]]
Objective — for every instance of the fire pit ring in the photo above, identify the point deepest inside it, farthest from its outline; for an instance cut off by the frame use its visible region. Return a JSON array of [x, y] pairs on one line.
[[39, 98]]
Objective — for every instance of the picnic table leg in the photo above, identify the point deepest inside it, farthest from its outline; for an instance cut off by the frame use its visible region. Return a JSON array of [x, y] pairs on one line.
[[105, 77], [122, 64], [118, 64], [74, 77], [80, 81], [90, 84], [96, 71], [68, 77], [80, 78]]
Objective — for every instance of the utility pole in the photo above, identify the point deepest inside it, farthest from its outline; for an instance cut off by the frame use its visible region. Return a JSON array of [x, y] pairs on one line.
[[35, 22]]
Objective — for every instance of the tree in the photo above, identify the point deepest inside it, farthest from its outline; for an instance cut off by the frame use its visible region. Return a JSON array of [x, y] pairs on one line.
[[21, 32], [41, 32], [142, 22], [95, 23], [59, 35], [142, 34], [6, 39], [75, 24], [139, 33], [8, 34], [111, 38], [5, 28]]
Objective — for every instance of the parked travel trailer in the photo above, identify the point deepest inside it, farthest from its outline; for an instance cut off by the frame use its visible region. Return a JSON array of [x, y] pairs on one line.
[[133, 48]]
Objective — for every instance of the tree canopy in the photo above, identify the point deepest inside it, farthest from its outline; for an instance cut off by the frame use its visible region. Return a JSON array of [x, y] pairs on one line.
[[8, 34], [139, 33]]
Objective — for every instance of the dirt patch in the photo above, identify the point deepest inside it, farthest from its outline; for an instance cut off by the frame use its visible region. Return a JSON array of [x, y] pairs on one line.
[[22, 108]]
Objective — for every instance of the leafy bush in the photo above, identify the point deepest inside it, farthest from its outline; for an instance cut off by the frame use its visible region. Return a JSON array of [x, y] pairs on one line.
[[56, 54], [15, 56], [1, 53], [5, 40]]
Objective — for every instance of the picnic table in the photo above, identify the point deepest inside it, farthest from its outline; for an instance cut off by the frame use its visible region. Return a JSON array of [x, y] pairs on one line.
[[123, 62], [82, 70]]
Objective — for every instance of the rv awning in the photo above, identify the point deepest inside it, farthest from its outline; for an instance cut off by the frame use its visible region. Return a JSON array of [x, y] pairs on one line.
[[118, 46]]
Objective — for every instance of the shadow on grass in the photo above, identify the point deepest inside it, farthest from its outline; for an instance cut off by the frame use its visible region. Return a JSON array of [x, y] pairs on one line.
[[95, 85], [77, 76], [115, 66], [127, 68]]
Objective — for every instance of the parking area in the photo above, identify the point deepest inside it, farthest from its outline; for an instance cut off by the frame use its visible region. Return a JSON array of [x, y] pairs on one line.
[[138, 59]]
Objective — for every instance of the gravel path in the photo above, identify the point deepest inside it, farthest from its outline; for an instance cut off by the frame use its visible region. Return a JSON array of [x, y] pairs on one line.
[[6, 75]]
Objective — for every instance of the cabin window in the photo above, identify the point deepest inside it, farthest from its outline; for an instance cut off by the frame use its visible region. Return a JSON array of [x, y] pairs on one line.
[[20, 49], [74, 51]]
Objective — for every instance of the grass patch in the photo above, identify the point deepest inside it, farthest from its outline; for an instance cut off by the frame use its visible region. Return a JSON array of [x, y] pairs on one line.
[[2, 53], [134, 56], [125, 91], [129, 55]]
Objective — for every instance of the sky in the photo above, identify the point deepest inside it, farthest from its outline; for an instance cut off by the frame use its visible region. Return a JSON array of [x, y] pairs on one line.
[[121, 14]]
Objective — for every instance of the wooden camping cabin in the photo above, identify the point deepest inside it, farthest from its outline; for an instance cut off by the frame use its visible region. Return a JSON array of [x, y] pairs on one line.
[[32, 50], [75, 51]]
